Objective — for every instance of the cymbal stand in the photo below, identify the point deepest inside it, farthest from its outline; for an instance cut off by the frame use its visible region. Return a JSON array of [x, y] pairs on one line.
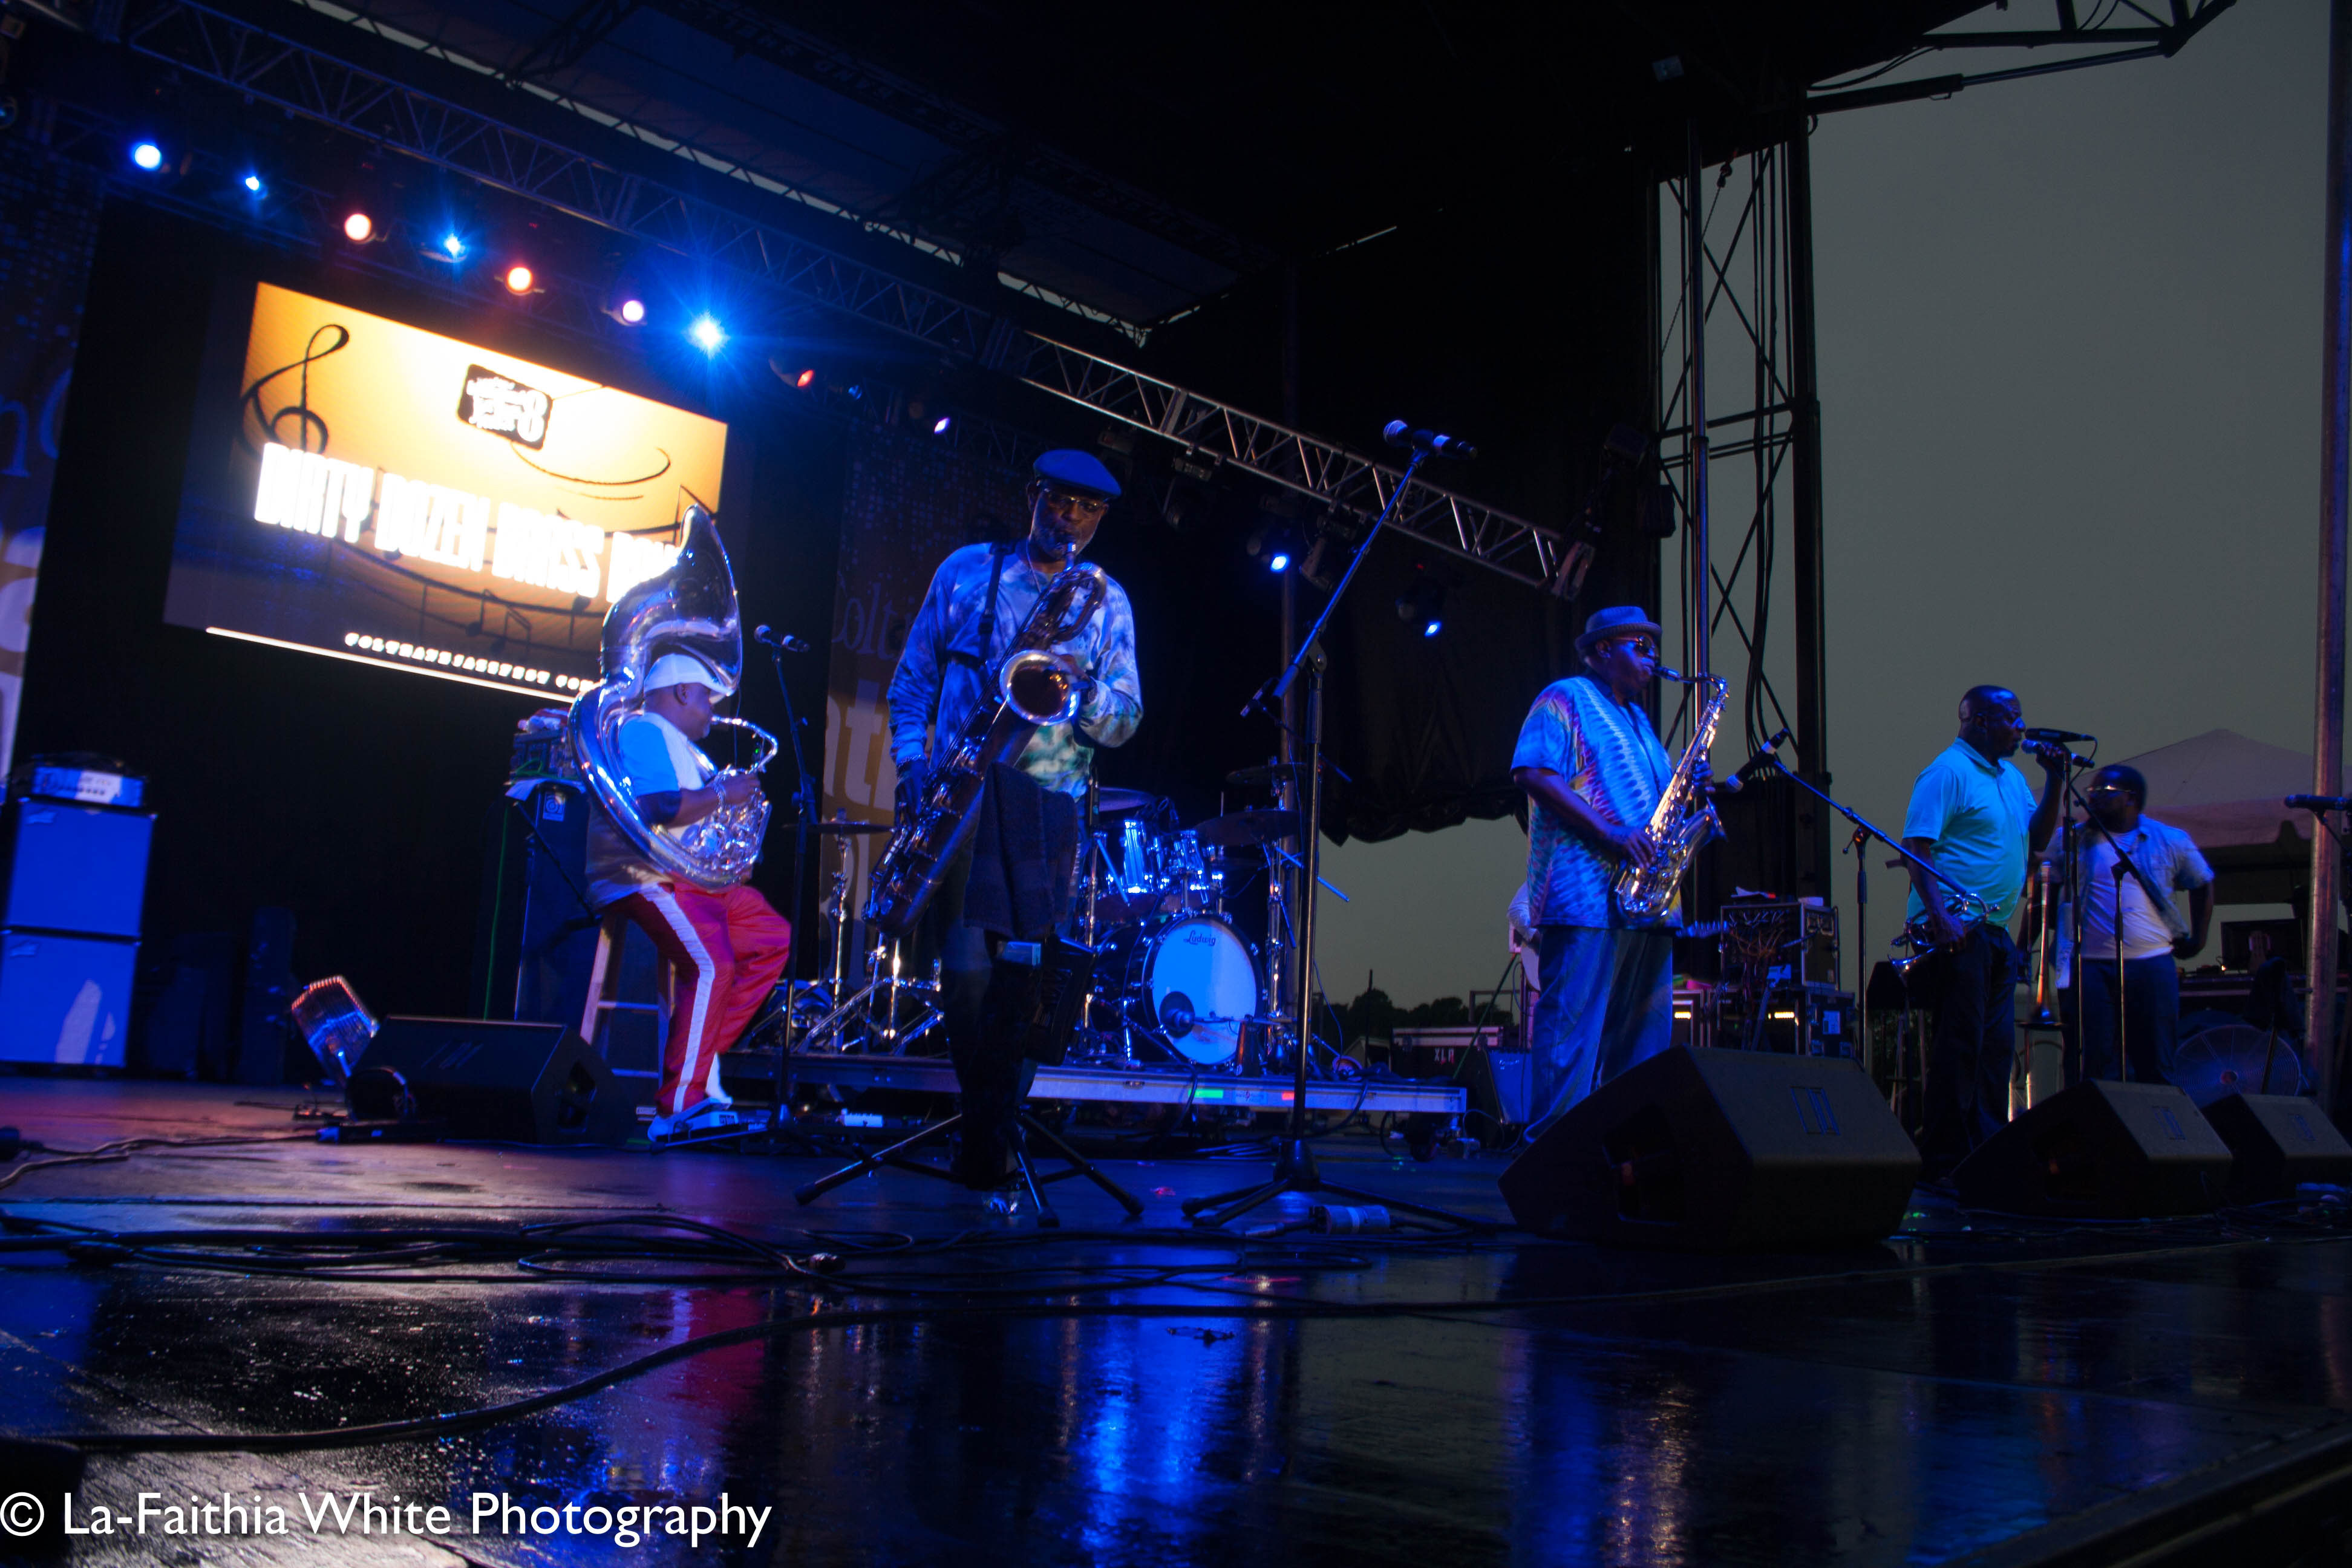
[[1294, 1165]]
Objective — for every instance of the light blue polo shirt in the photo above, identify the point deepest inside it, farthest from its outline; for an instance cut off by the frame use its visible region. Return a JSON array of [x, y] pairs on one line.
[[1979, 814]]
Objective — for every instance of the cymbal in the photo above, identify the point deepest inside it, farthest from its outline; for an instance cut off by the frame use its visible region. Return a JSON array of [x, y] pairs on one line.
[[1272, 775], [1249, 828], [839, 826], [1111, 802]]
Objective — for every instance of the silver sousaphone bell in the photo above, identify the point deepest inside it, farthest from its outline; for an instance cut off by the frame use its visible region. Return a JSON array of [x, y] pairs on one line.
[[691, 608]]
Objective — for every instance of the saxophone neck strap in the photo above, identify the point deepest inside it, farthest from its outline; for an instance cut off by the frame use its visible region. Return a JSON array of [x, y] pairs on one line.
[[996, 557]]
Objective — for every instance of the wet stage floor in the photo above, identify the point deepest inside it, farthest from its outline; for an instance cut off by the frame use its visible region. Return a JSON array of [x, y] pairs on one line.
[[1120, 1393]]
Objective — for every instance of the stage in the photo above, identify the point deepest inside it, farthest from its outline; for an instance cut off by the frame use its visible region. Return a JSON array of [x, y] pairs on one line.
[[1975, 1390]]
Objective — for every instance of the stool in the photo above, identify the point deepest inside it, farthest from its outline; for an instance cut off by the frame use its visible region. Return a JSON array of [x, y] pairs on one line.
[[605, 979]]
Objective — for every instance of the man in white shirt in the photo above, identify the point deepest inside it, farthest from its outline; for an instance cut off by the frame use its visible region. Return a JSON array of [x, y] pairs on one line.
[[2157, 862], [726, 949]]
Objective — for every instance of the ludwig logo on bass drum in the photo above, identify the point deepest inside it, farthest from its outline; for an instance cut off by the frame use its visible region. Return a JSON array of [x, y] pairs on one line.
[[504, 407]]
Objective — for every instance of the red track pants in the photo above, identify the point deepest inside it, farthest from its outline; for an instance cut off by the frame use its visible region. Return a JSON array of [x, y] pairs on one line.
[[725, 951]]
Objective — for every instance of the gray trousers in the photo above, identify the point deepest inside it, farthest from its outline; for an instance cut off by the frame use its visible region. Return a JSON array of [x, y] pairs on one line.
[[1608, 1002]]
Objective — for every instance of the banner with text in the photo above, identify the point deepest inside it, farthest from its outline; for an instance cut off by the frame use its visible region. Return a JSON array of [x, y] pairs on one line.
[[403, 499]]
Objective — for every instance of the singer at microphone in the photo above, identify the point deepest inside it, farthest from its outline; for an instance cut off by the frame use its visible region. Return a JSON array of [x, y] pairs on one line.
[[1972, 826], [1399, 434]]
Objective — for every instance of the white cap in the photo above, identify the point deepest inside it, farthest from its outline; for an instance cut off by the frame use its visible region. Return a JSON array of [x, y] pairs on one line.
[[686, 669]]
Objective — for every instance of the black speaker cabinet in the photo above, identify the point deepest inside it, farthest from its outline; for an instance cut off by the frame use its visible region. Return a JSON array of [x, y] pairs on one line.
[[1721, 1150], [2279, 1139], [518, 1083], [2101, 1151]]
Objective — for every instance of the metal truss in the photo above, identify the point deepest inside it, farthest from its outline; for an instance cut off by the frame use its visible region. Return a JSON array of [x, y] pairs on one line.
[[755, 30], [1731, 322], [2147, 34], [266, 68], [292, 216], [1329, 473], [270, 68]]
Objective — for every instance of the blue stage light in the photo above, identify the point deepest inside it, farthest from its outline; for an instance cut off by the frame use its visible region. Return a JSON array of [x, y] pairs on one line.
[[148, 157], [1278, 562], [707, 334], [944, 425], [252, 183], [452, 245], [1433, 628]]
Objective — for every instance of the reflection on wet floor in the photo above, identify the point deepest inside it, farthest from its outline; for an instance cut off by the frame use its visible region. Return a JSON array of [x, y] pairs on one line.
[[1124, 1394]]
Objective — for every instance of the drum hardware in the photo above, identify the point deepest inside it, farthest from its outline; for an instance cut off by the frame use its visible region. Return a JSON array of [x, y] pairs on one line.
[[1239, 827], [1115, 801], [1270, 777]]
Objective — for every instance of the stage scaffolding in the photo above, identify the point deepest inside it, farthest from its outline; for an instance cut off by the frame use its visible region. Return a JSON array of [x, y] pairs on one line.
[[1734, 318]]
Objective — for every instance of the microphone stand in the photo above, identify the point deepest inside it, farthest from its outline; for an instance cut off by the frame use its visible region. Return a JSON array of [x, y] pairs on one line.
[[804, 809], [1294, 1161]]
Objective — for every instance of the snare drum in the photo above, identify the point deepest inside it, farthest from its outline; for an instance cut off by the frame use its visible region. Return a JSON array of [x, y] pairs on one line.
[[1194, 982]]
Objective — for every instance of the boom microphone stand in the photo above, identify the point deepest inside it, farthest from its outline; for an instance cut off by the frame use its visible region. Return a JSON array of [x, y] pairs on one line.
[[1294, 1161]]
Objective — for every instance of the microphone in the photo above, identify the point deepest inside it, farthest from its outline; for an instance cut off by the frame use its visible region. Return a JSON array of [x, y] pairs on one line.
[[2056, 737], [1766, 758], [2047, 749], [1399, 434], [774, 639], [2319, 802]]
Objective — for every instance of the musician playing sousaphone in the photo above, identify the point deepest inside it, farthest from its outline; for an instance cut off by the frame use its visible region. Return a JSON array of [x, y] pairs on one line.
[[980, 600], [1974, 818], [671, 836]]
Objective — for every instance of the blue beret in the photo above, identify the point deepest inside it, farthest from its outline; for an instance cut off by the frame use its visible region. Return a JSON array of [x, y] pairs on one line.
[[1078, 470]]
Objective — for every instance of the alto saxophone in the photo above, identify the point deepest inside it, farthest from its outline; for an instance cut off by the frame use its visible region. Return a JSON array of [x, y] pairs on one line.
[[1684, 817], [1035, 687]]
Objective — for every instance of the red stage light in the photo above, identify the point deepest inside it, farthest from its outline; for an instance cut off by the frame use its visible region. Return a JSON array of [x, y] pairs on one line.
[[358, 228], [805, 379], [519, 279]]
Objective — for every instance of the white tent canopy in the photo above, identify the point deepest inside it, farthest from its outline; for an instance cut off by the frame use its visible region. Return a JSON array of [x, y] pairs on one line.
[[2225, 789]]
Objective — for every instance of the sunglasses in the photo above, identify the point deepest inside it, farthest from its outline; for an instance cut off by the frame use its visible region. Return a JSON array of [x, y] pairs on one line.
[[1629, 644], [1084, 508]]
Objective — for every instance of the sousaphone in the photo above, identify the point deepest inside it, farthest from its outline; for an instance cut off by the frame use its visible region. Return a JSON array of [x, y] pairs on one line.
[[689, 608]]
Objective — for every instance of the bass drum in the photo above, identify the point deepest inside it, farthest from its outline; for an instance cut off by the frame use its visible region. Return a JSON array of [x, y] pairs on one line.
[[1193, 980]]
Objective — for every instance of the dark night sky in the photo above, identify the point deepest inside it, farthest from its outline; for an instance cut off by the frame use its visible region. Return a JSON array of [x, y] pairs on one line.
[[2069, 343]]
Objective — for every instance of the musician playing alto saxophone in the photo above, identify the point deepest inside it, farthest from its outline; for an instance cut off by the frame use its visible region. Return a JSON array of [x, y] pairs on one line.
[[977, 603], [1973, 816], [1594, 771]]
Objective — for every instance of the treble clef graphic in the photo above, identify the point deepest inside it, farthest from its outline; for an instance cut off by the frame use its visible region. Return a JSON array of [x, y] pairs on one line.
[[306, 418]]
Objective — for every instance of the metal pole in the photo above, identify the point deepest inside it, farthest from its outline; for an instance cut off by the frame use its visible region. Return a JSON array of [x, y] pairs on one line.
[[2335, 408], [1805, 496], [1694, 345], [1285, 960]]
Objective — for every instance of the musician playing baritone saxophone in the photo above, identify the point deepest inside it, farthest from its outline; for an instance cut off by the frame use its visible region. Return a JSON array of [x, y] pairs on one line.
[[978, 601], [1973, 816], [725, 949], [1594, 770]]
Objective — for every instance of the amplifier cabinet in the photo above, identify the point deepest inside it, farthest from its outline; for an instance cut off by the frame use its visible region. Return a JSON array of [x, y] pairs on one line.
[[65, 1000], [75, 868]]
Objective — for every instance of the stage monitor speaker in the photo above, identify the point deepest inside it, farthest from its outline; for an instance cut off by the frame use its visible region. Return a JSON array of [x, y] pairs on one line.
[[518, 1083], [64, 1001], [1721, 1151], [2279, 1140], [2101, 1151]]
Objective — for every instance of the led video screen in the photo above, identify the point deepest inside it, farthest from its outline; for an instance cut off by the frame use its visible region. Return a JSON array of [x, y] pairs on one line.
[[399, 498]]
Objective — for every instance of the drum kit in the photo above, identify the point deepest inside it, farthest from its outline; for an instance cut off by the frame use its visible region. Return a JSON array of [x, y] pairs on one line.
[[1177, 985]]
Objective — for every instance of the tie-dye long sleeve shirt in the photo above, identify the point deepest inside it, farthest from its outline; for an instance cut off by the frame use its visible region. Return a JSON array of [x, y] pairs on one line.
[[945, 672], [1607, 752]]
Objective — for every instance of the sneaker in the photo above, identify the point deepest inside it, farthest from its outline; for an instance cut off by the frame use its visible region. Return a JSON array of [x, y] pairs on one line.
[[703, 1116]]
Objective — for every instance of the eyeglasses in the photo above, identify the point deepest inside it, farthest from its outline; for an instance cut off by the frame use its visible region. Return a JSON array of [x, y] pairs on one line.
[[2109, 789], [1081, 507], [1630, 645]]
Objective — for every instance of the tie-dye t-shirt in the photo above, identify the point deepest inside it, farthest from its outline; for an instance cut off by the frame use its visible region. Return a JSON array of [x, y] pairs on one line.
[[1608, 753]]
